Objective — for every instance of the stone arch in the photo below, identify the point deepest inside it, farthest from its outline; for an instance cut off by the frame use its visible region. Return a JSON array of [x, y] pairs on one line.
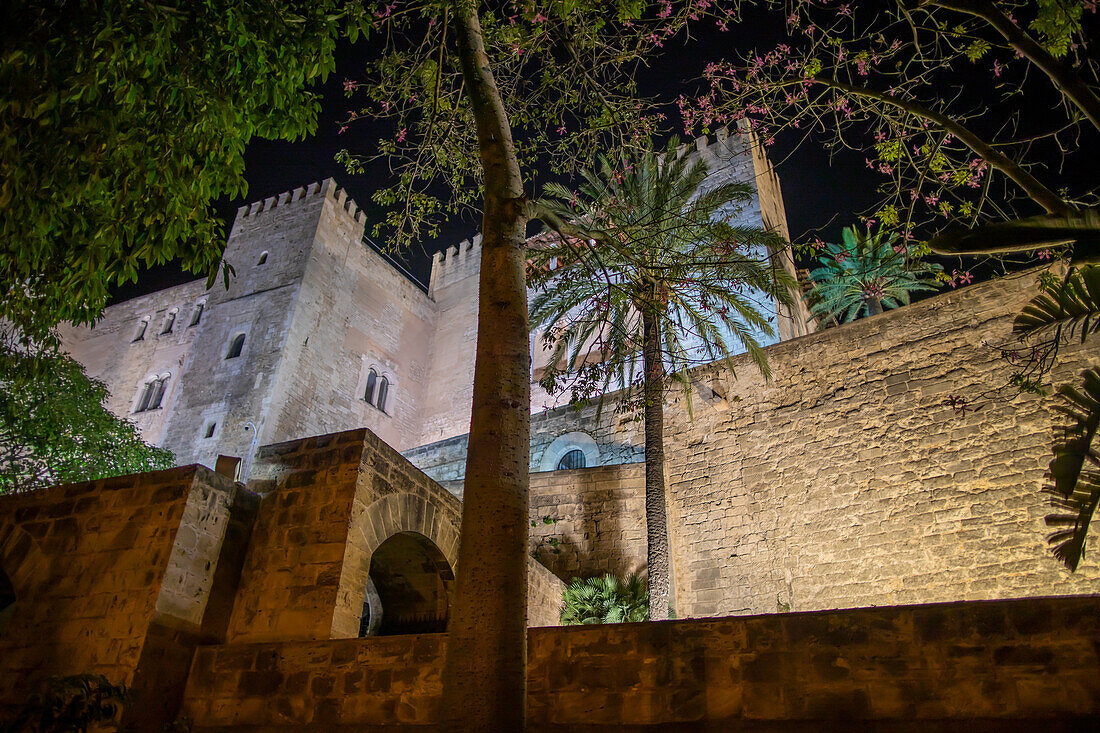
[[436, 521], [562, 444], [20, 563], [409, 587]]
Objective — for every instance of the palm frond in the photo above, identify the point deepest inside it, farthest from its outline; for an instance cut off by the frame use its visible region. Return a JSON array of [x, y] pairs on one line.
[[1074, 472], [1070, 307]]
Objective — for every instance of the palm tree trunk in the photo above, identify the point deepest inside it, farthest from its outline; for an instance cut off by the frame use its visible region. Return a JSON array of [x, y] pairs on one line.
[[656, 519], [874, 306], [485, 671]]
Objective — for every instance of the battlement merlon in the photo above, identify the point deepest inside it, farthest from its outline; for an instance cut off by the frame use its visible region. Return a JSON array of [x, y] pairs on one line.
[[327, 188], [455, 263]]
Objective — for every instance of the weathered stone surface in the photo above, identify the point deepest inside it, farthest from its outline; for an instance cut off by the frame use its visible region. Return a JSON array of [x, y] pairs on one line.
[[100, 569], [973, 666], [848, 481]]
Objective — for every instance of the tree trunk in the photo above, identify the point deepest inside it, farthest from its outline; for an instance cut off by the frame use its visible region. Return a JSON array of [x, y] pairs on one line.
[[485, 672], [656, 521], [874, 306]]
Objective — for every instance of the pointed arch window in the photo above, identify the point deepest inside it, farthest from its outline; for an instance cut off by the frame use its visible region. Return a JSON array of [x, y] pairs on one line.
[[152, 394], [372, 384], [383, 394], [235, 347]]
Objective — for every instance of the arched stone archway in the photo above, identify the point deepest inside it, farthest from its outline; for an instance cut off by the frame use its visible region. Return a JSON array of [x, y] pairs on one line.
[[427, 533], [409, 588]]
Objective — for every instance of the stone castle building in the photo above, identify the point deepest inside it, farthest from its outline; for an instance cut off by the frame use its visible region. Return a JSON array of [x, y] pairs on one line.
[[318, 332], [844, 544]]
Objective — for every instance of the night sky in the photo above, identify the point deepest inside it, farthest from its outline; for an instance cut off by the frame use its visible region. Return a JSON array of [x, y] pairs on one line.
[[822, 193]]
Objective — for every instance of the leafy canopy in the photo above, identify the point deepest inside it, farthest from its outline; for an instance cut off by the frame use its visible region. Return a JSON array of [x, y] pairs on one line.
[[122, 122], [55, 427], [641, 235], [866, 273], [605, 600]]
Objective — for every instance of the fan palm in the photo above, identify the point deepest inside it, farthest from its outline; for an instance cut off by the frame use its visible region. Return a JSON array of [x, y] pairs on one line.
[[649, 266], [1069, 309], [864, 274], [604, 600]]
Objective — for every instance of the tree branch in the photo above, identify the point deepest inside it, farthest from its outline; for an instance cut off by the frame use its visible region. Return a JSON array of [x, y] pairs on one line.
[[1065, 80], [1035, 190]]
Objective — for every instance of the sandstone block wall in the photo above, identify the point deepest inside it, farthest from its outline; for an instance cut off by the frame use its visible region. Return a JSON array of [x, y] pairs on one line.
[[94, 565], [589, 521], [991, 666], [328, 503], [848, 480]]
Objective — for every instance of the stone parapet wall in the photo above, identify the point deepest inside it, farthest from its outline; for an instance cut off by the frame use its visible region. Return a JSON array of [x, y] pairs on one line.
[[996, 666], [96, 565], [848, 480]]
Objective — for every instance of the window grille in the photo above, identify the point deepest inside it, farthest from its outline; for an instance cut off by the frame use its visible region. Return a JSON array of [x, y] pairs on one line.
[[573, 459]]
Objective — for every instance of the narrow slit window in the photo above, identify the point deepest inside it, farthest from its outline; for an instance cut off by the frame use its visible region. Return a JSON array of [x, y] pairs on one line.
[[263, 259], [235, 347], [197, 315], [372, 382], [140, 334], [169, 323], [383, 394], [210, 430]]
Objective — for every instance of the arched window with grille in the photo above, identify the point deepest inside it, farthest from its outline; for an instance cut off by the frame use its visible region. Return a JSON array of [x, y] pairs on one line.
[[235, 347], [573, 459]]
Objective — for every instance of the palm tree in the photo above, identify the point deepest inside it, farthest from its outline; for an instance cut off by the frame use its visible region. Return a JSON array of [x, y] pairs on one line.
[[865, 274], [647, 264], [604, 600]]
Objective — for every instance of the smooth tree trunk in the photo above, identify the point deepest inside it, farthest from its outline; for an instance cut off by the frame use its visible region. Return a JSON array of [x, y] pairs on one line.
[[656, 515], [485, 671]]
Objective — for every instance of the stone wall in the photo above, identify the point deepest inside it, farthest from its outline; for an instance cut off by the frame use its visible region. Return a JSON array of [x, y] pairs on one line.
[[848, 480], [589, 521], [618, 440], [328, 503], [100, 569], [112, 352], [993, 666]]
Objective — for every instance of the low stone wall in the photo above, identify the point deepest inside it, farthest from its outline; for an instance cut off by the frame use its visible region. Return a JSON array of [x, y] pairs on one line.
[[990, 666], [101, 569]]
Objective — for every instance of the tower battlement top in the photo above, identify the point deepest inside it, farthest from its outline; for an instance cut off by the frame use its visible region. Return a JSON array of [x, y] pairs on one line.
[[327, 188]]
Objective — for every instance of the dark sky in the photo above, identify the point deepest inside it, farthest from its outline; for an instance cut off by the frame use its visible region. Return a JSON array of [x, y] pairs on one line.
[[817, 191]]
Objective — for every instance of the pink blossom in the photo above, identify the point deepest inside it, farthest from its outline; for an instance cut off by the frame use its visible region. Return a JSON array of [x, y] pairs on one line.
[[1045, 254]]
